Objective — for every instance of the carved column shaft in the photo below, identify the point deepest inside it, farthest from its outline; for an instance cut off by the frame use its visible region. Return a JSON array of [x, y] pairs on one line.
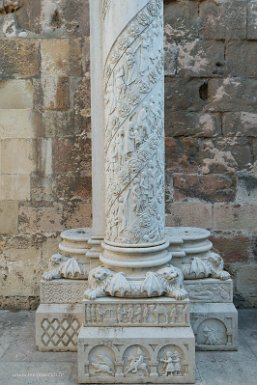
[[134, 133]]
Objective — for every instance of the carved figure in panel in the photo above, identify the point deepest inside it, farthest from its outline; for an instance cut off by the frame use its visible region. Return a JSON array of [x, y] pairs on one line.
[[211, 332], [66, 267], [166, 281], [101, 361], [210, 266], [136, 361], [170, 361]]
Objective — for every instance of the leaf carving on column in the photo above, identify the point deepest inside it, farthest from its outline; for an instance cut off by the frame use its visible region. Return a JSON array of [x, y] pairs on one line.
[[134, 153]]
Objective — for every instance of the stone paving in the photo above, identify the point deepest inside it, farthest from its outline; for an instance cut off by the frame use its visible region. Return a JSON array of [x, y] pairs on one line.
[[22, 364]]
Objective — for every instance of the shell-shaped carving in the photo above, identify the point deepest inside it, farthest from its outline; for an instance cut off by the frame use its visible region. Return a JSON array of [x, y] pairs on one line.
[[152, 285], [118, 286]]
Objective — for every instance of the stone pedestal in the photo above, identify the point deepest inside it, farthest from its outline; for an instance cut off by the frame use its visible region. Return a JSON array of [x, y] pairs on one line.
[[136, 341], [214, 318], [57, 327]]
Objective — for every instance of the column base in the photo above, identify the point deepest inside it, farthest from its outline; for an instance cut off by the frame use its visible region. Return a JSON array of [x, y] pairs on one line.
[[136, 341]]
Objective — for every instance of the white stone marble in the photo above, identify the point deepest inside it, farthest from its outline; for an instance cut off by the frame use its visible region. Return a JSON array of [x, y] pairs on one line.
[[193, 253], [57, 327], [210, 290], [215, 326], [97, 120], [137, 312], [71, 262], [136, 355], [62, 291]]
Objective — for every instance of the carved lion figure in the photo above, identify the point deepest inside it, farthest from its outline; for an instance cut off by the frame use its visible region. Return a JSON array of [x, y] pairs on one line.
[[66, 267], [172, 279], [166, 281], [98, 280], [211, 266]]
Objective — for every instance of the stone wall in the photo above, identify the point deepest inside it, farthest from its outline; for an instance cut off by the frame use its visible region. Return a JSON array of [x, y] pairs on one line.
[[211, 126]]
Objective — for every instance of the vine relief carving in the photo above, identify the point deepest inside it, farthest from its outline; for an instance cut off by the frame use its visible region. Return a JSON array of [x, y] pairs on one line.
[[134, 149]]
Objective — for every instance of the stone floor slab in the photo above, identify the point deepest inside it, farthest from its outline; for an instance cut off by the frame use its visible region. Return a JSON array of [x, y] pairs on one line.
[[213, 368]]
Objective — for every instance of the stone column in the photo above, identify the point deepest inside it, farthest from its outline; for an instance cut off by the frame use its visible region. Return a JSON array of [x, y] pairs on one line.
[[134, 134]]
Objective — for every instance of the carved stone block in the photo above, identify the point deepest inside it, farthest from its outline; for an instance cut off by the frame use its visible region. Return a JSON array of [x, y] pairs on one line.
[[62, 291], [132, 355], [210, 290], [57, 327], [131, 312], [215, 326]]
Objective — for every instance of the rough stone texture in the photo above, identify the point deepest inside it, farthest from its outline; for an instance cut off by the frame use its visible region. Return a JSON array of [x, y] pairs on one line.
[[45, 150], [210, 118]]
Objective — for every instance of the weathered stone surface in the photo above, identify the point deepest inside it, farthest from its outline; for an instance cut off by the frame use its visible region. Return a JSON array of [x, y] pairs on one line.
[[56, 93], [234, 216], [15, 187], [20, 123], [64, 18], [8, 217], [200, 58], [215, 326], [19, 58], [17, 162], [17, 279], [251, 20], [240, 124], [234, 246], [59, 123], [177, 88], [61, 57], [224, 155], [245, 284], [16, 94], [189, 214], [212, 188], [183, 123], [232, 94], [53, 217], [181, 18], [240, 57], [149, 345], [182, 154], [223, 19], [57, 327]]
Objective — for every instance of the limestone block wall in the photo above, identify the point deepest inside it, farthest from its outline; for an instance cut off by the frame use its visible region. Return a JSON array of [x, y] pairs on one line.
[[211, 133], [45, 137]]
